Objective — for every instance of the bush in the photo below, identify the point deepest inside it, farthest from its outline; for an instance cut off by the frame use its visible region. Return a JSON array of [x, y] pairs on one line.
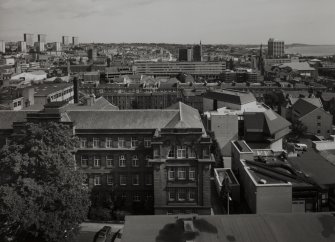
[[99, 213]]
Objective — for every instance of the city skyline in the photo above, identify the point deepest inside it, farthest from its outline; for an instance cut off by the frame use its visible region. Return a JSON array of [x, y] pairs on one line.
[[186, 21]]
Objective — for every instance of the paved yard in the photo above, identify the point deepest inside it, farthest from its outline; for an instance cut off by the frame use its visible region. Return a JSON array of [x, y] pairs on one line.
[[88, 231]]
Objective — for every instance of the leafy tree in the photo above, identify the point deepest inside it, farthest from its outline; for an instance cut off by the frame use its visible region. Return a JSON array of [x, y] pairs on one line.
[[41, 194], [298, 130]]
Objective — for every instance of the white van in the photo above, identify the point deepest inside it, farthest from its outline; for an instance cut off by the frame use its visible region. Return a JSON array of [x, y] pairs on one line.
[[302, 147]]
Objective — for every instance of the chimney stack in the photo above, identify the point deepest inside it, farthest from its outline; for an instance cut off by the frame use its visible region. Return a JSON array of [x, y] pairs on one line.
[[75, 90]]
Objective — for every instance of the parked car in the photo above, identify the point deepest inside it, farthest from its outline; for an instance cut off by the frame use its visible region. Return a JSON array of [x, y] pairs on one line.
[[302, 147], [118, 235], [103, 234]]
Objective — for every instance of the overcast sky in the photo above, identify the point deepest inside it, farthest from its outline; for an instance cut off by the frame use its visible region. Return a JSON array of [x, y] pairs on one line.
[[171, 21]]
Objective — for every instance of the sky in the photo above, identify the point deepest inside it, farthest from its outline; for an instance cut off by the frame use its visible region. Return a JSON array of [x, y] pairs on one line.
[[171, 21]]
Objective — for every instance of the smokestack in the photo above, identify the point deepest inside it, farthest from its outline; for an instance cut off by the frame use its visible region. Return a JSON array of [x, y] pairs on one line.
[[75, 90]]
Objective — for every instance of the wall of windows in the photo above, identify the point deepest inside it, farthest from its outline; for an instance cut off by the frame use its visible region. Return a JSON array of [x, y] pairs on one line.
[[115, 142], [181, 152], [181, 195], [181, 173]]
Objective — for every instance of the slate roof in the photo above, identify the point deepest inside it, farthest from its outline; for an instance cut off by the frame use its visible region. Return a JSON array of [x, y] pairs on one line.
[[100, 104], [288, 227], [300, 66], [183, 117], [152, 119], [315, 166], [123, 119], [267, 122], [231, 96], [7, 117], [304, 106]]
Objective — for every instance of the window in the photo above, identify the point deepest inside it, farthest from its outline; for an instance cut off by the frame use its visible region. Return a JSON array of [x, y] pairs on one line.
[[171, 174], [148, 179], [137, 197], [147, 163], [124, 196], [97, 181], [123, 180], [147, 143], [109, 161], [97, 161], [122, 161], [191, 195], [319, 131], [109, 143], [191, 173], [182, 173], [156, 153], [181, 194], [121, 142], [134, 143], [172, 195], [136, 179], [319, 124], [83, 143], [171, 153], [319, 117], [110, 180], [135, 161], [205, 152], [148, 196], [181, 151], [191, 152], [95, 142], [84, 160]]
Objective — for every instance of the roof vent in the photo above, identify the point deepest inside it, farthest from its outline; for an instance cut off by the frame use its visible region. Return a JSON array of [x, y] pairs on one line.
[[262, 181]]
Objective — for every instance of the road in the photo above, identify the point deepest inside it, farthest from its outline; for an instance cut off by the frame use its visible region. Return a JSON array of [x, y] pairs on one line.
[[88, 231]]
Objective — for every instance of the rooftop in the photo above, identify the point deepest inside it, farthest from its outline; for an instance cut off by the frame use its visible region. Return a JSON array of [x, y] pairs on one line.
[[231, 96], [181, 118], [49, 88], [304, 106], [315, 166], [300, 66], [307, 227]]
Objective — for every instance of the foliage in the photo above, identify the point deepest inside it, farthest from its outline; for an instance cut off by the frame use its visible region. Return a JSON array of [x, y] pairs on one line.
[[100, 214], [298, 130], [41, 195]]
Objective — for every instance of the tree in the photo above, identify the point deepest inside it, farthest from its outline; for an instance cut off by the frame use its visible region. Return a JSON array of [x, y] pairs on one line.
[[226, 189], [41, 196], [298, 130]]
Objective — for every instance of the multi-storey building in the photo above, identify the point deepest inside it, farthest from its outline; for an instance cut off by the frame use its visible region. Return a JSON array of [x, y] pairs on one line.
[[42, 38], [75, 41], [2, 46], [137, 96], [40, 46], [22, 46], [172, 69], [182, 54], [159, 159], [275, 48], [29, 39], [65, 40], [197, 52]]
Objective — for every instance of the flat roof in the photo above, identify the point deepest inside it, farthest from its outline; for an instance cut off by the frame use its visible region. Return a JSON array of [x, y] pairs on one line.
[[48, 88], [288, 227], [242, 146]]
